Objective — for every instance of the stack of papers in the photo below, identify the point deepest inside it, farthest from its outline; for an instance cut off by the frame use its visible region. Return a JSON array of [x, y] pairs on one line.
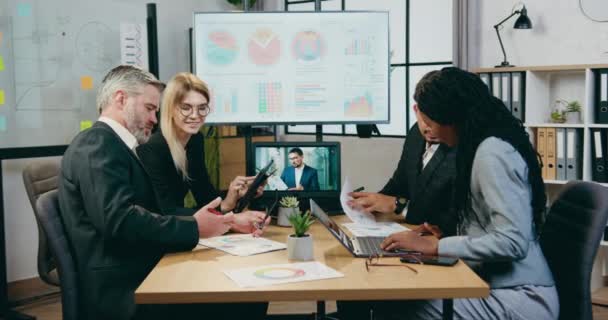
[[364, 224], [281, 273], [242, 244]]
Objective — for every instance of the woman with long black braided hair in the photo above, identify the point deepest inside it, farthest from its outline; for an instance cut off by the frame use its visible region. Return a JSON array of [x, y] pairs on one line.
[[499, 199]]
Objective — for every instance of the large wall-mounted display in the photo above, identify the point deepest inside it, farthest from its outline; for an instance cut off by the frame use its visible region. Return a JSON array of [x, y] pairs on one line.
[[294, 67]]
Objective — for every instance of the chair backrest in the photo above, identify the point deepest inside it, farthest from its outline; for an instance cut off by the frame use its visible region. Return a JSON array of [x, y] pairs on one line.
[[40, 177], [47, 209], [570, 239]]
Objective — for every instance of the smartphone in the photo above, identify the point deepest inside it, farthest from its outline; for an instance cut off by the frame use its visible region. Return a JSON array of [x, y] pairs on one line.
[[431, 260]]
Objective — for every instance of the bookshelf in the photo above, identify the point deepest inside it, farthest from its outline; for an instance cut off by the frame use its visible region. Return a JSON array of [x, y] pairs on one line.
[[543, 85]]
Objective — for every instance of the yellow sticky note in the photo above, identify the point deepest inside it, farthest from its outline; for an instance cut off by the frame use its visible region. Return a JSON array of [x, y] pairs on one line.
[[85, 124], [1, 64], [1, 97], [86, 82]]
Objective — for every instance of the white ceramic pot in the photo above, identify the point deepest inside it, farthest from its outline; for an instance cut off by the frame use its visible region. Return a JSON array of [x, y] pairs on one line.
[[573, 117], [283, 216], [299, 248]]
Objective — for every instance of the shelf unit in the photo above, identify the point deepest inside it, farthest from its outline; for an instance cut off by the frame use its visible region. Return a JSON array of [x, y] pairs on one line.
[[543, 86], [546, 84]]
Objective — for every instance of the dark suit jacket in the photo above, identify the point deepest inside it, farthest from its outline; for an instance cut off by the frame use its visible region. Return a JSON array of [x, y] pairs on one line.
[[169, 185], [429, 191], [309, 179], [112, 222]]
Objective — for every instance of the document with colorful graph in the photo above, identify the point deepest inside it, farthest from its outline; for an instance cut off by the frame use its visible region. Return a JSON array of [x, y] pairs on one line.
[[242, 244], [268, 275]]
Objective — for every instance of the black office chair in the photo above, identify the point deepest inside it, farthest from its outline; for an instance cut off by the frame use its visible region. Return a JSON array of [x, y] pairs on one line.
[[40, 177], [570, 240], [47, 210]]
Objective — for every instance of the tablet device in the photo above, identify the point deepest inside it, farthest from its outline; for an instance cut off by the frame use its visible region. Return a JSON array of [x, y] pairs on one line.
[[253, 188]]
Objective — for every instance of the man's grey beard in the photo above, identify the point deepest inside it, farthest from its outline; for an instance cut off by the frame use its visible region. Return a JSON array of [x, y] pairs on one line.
[[133, 126]]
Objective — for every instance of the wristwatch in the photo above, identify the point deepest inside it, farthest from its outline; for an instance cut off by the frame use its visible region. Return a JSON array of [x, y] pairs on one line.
[[400, 204]]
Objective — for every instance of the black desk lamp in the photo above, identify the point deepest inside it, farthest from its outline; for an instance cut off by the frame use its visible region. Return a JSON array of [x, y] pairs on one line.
[[522, 22]]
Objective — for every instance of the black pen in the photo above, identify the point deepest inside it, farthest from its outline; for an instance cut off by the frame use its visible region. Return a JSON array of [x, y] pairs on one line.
[[359, 189]]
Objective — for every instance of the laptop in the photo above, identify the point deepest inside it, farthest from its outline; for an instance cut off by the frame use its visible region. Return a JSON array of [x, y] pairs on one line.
[[361, 247]]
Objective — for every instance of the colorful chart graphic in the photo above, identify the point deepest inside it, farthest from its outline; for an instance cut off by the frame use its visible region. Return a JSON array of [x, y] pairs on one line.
[[360, 106], [276, 273], [357, 47], [222, 48], [224, 101], [308, 46], [309, 95], [270, 97], [264, 47]]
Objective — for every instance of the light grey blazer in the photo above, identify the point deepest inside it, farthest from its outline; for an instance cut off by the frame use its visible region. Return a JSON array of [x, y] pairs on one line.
[[507, 253]]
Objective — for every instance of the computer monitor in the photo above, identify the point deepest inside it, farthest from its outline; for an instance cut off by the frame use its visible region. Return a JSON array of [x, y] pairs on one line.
[[319, 174]]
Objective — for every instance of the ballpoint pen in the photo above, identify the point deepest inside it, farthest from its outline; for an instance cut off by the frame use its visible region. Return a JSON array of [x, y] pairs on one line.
[[359, 189], [260, 225]]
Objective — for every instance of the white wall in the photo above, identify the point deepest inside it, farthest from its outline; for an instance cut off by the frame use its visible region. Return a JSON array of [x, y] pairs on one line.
[[561, 34], [20, 226]]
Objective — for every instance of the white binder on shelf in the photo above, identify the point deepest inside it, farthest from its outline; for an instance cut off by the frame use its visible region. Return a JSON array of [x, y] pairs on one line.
[[517, 95], [485, 77], [561, 153], [496, 85], [573, 154], [506, 89]]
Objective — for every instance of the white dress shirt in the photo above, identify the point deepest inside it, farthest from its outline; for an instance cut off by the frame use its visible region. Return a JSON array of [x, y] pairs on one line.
[[299, 172], [125, 135]]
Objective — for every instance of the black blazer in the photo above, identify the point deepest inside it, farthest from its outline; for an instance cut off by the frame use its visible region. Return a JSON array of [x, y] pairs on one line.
[[113, 223], [309, 180], [169, 185], [429, 191]]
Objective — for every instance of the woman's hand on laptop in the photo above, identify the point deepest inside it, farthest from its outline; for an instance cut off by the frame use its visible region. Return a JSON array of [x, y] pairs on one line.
[[411, 240], [372, 202]]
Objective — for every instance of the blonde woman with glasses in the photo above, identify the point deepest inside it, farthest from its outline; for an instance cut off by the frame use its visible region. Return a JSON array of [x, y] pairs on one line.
[[174, 155]]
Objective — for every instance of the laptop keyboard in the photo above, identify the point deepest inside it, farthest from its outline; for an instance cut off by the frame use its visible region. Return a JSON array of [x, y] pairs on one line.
[[371, 245]]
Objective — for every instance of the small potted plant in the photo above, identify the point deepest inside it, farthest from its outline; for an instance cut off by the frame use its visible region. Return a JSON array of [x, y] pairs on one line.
[[557, 116], [299, 244], [287, 207], [573, 111]]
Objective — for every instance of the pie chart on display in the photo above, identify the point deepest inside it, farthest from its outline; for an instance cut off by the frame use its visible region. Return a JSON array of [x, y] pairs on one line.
[[264, 47]]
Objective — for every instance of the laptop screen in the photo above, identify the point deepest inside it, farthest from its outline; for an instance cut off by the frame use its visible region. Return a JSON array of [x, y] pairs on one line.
[[331, 225]]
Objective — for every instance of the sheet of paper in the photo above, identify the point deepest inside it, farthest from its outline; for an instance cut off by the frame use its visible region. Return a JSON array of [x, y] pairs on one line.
[[356, 216], [281, 273], [379, 229], [134, 44], [242, 244], [276, 183]]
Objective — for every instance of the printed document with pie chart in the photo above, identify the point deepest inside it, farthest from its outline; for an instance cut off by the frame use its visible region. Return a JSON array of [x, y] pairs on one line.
[[242, 244], [268, 275], [294, 67]]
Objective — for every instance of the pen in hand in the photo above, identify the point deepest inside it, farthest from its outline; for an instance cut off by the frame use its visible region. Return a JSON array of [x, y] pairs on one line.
[[359, 189]]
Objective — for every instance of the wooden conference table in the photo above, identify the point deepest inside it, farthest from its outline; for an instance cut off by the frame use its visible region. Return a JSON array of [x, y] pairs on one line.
[[197, 277]]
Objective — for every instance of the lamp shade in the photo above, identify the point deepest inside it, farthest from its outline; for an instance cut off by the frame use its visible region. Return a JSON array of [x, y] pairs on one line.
[[523, 22]]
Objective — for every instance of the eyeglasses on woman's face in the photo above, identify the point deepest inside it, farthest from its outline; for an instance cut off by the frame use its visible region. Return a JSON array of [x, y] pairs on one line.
[[201, 110]]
